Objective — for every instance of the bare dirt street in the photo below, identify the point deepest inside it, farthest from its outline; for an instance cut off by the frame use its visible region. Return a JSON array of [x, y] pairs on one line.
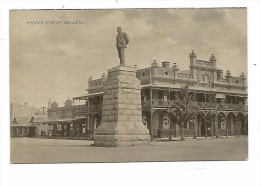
[[35, 150]]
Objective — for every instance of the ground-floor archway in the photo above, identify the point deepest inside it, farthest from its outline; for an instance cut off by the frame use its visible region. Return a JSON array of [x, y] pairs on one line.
[[241, 124], [204, 123], [222, 124], [231, 124], [215, 123]]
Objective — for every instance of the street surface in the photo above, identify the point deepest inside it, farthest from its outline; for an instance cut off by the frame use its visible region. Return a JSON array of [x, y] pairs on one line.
[[36, 150]]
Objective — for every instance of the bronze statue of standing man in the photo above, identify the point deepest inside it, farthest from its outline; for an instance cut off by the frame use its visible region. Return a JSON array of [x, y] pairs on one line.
[[121, 43]]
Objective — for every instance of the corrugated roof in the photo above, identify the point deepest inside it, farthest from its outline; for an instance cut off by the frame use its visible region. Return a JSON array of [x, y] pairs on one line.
[[39, 119], [21, 120], [195, 88]]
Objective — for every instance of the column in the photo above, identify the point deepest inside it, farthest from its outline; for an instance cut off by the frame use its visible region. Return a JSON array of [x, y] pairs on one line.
[[152, 127]]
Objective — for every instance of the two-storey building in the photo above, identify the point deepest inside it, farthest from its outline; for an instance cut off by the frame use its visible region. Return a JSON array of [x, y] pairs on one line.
[[220, 97]]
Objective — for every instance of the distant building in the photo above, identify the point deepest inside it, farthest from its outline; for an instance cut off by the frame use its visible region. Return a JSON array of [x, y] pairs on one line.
[[68, 120], [29, 126], [25, 110], [25, 120], [221, 98], [20, 126]]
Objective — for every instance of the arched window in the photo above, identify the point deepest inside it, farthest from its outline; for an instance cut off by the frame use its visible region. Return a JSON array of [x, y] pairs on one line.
[[166, 73], [166, 121], [204, 78]]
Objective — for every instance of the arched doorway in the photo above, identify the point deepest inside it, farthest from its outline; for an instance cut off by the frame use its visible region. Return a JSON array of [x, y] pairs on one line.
[[214, 125], [221, 122], [155, 123], [165, 120], [241, 124], [161, 123], [231, 123]]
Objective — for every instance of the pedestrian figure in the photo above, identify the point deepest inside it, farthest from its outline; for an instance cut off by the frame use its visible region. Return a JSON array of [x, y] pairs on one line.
[[209, 131], [159, 132]]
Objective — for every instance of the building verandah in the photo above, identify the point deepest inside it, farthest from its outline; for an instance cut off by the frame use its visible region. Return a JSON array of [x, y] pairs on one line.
[[77, 128], [163, 125], [218, 114], [76, 119], [166, 97], [216, 123], [66, 128], [223, 116], [23, 130]]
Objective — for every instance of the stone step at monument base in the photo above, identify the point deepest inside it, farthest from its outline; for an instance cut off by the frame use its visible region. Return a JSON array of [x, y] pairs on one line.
[[121, 132], [121, 140], [121, 128]]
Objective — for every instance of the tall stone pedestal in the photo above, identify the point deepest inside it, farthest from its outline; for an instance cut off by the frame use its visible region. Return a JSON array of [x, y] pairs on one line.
[[121, 112]]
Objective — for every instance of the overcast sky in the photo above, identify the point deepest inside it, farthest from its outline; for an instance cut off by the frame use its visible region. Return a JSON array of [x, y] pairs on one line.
[[55, 60]]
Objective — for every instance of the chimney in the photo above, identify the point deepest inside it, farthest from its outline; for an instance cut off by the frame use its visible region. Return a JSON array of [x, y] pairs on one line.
[[154, 64], [166, 64], [193, 57], [213, 60]]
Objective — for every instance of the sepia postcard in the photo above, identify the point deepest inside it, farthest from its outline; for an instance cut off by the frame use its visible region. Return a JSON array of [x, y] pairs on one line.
[[128, 85], [129, 92]]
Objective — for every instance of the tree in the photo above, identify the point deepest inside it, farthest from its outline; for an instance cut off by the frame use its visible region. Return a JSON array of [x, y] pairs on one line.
[[184, 108]]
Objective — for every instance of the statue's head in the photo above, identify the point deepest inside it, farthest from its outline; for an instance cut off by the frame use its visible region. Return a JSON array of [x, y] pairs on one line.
[[119, 29]]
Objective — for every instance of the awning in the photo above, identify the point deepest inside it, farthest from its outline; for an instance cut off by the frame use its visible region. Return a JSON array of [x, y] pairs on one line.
[[80, 98], [61, 121], [86, 97], [22, 125], [94, 94], [221, 96]]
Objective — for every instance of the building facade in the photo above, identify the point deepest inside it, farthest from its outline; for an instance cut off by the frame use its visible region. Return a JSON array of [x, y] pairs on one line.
[[68, 121], [26, 120], [220, 97], [25, 110]]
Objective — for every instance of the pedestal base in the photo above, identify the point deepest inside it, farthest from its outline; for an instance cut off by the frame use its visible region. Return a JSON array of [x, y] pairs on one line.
[[121, 140], [121, 112]]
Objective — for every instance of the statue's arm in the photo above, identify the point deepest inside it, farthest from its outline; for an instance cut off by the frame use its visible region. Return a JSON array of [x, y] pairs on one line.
[[126, 38]]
